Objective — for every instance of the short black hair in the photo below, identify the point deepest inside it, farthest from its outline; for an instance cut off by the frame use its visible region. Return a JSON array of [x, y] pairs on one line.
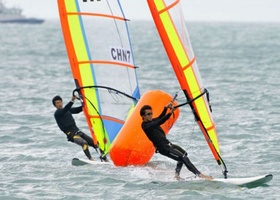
[[145, 107], [56, 98]]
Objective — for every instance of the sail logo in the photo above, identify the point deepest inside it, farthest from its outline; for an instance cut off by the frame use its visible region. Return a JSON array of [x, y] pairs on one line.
[[120, 54]]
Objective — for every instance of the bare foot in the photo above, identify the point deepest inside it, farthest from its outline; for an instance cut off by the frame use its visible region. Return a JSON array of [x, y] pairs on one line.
[[177, 177], [205, 177], [91, 159]]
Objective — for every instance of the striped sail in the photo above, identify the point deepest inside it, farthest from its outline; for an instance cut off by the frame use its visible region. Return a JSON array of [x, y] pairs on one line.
[[170, 23], [100, 54]]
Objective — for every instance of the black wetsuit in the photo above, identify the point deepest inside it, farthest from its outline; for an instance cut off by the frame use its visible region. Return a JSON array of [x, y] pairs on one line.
[[157, 136], [67, 124], [65, 120]]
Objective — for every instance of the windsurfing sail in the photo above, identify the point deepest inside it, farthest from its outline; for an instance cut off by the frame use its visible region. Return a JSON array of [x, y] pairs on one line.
[[170, 23], [99, 50]]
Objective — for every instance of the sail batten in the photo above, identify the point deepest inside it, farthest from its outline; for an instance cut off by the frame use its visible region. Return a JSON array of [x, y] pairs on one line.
[[168, 7], [106, 62], [189, 64], [169, 20], [96, 15]]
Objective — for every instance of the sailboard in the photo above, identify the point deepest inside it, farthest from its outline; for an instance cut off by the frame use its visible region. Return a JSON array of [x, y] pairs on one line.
[[170, 23], [82, 161], [102, 63], [249, 182]]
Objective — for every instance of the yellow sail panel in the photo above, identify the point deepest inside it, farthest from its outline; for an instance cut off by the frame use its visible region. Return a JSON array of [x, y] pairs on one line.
[[170, 24], [202, 107]]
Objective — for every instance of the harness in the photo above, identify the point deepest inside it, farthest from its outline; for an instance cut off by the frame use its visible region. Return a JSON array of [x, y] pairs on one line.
[[70, 135]]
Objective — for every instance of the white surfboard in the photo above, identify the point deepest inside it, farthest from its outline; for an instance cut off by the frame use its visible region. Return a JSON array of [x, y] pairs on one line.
[[81, 161], [248, 181]]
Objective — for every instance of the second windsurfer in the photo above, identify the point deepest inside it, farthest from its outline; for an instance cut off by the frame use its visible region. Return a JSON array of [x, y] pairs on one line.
[[156, 135]]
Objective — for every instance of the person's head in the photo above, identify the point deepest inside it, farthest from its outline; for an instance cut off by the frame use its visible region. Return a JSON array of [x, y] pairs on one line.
[[57, 102], [146, 113]]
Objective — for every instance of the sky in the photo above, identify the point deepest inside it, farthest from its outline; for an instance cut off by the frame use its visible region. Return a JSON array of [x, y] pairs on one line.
[[195, 10]]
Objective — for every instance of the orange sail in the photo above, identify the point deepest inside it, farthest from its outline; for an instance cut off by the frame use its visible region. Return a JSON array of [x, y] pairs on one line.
[[170, 23]]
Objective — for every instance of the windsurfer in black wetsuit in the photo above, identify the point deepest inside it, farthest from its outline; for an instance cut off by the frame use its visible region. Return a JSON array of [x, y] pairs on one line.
[[156, 135], [67, 124]]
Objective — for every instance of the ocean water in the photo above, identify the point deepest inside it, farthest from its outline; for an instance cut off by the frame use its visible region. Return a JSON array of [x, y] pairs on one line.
[[239, 64]]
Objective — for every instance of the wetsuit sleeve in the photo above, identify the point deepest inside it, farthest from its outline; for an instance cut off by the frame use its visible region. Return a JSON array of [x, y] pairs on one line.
[[76, 110], [157, 122], [162, 113], [65, 109]]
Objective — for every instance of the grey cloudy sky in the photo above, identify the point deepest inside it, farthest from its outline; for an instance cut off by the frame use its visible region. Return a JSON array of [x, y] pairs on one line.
[[217, 10]]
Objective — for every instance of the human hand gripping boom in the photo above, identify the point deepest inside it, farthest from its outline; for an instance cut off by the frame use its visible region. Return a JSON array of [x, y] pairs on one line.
[[73, 98], [170, 105]]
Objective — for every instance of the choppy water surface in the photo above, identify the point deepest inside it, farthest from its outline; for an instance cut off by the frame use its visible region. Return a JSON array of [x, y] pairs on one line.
[[239, 64]]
